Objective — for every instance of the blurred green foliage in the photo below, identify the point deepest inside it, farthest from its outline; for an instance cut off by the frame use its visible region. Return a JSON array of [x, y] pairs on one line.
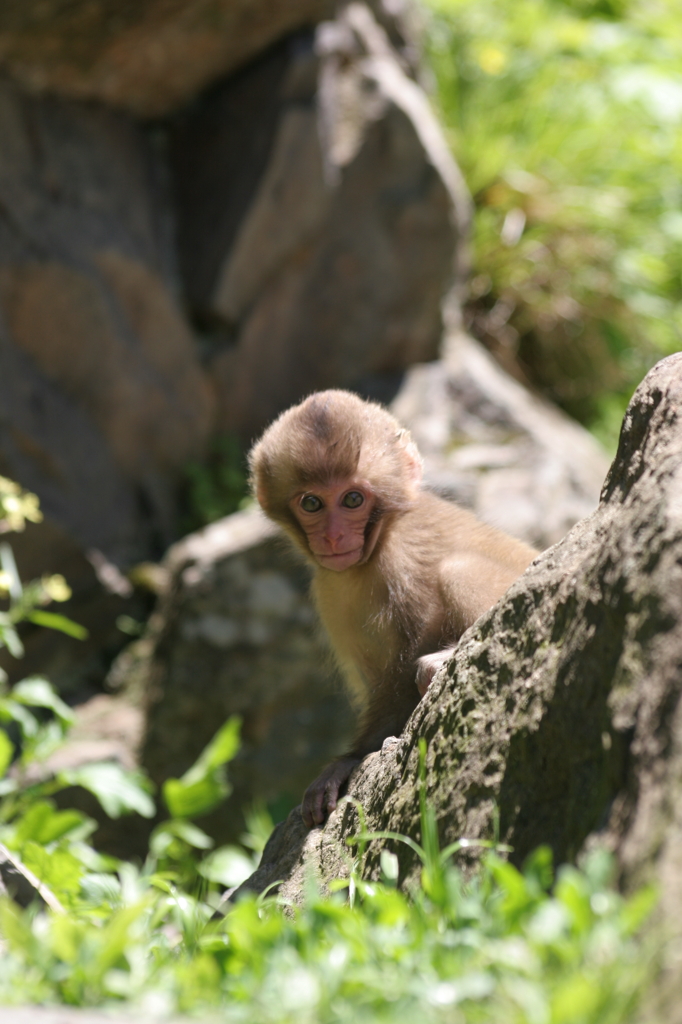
[[503, 945], [217, 486], [17, 506], [565, 117]]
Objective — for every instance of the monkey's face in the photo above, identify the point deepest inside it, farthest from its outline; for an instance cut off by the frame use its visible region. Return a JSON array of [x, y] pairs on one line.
[[334, 519]]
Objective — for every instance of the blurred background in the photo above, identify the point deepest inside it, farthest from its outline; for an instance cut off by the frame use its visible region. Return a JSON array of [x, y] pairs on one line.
[[470, 209]]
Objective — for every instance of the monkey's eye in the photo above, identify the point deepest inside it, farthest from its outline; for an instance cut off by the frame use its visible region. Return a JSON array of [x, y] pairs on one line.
[[311, 503], [353, 499]]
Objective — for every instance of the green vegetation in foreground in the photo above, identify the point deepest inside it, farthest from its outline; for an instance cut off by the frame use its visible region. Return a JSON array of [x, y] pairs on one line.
[[499, 947], [502, 946], [217, 486], [565, 117]]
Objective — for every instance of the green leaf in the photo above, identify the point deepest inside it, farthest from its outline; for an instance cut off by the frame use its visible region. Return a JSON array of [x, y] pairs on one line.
[[43, 823], [228, 866], [189, 800], [219, 751], [37, 692], [9, 566], [189, 833], [60, 622], [10, 638], [100, 888], [6, 752], [25, 719], [59, 870], [119, 791]]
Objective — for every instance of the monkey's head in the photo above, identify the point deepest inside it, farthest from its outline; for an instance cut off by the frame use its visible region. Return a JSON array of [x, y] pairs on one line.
[[333, 471]]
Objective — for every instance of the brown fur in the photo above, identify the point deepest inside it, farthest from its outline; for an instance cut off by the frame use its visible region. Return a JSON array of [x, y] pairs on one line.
[[432, 571]]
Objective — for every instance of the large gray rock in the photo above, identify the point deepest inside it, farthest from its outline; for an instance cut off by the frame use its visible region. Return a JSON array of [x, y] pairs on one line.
[[102, 394], [149, 57], [561, 707], [321, 256]]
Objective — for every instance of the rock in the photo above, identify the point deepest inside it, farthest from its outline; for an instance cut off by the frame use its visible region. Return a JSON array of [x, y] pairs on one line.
[[515, 460], [561, 707], [150, 57], [332, 269], [236, 634], [105, 396]]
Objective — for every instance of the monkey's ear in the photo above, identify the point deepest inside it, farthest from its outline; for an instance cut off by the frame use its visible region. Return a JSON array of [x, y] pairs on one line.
[[261, 493], [415, 466]]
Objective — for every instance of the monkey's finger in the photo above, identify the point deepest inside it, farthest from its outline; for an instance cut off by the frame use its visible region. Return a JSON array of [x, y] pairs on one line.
[[332, 795], [306, 815], [319, 805], [308, 807]]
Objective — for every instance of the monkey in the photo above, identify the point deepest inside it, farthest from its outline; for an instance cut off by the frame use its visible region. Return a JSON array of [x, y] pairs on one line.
[[399, 572]]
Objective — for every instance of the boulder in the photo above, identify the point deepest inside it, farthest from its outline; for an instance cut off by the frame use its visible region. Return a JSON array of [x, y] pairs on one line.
[[560, 709], [151, 57], [103, 396], [318, 248]]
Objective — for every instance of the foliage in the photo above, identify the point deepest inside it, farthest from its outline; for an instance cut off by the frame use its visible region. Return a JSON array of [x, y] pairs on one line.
[[26, 601], [565, 117], [501, 946], [17, 507], [217, 486]]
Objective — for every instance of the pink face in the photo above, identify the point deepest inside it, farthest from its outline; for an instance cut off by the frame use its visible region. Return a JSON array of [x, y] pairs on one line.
[[334, 519]]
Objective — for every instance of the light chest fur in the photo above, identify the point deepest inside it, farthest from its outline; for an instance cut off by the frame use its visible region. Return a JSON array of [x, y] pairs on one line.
[[357, 615]]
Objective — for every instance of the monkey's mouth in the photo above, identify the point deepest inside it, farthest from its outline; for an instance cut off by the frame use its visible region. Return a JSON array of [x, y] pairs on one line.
[[329, 560]]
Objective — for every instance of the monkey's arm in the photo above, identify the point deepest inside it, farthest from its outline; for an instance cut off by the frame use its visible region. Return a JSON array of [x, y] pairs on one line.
[[391, 704], [322, 795], [470, 585]]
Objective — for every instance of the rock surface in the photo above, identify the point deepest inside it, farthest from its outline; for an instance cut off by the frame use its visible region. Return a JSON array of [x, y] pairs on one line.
[[147, 56], [512, 458], [561, 706], [333, 268], [102, 394], [151, 57]]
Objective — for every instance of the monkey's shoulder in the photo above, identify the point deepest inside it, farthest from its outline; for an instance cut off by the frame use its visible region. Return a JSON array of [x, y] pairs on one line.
[[435, 524], [436, 528]]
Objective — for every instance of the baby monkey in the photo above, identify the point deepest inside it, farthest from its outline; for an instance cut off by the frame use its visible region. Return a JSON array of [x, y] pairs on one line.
[[399, 573]]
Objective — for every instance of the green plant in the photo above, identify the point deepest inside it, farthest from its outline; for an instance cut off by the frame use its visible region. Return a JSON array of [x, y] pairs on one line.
[[218, 485], [565, 116], [502, 945]]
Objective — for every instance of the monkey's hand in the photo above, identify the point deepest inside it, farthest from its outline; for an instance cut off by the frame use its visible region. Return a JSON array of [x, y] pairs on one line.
[[428, 665], [321, 796]]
